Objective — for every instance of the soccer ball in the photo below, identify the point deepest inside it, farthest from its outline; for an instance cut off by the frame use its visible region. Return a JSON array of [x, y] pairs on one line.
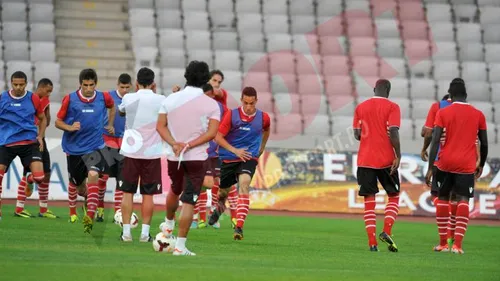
[[164, 244], [134, 219]]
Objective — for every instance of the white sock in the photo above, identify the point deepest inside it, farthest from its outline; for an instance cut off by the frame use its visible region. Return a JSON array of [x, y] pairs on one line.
[[195, 217], [181, 243], [170, 223], [145, 230], [126, 230]]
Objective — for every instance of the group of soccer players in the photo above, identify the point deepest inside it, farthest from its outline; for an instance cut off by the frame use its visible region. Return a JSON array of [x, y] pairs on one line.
[[456, 132]]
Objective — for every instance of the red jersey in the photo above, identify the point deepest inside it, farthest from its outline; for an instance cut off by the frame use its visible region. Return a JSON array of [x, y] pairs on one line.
[[374, 117], [462, 122], [44, 104], [431, 116], [223, 98]]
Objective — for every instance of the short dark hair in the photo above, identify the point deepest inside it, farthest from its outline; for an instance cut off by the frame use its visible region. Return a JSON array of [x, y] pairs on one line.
[[249, 92], [216, 72], [197, 74], [124, 78], [383, 84], [446, 97], [88, 74], [19, 75], [207, 88], [44, 82], [145, 77], [457, 89]]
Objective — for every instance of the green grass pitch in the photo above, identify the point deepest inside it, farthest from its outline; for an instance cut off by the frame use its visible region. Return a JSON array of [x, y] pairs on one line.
[[275, 248]]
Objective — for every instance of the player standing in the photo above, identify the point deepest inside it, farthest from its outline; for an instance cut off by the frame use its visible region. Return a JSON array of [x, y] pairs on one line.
[[456, 166], [19, 110], [142, 149], [243, 136], [25, 188], [81, 117], [188, 120], [378, 159], [113, 143]]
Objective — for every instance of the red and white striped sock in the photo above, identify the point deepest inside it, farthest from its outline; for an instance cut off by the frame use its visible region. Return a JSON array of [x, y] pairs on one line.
[[202, 207], [232, 197], [434, 200], [72, 195], [92, 199], [453, 219], [442, 219], [118, 199], [370, 220], [391, 213], [243, 206], [21, 195], [102, 189], [215, 196], [462, 221], [43, 194], [1, 181]]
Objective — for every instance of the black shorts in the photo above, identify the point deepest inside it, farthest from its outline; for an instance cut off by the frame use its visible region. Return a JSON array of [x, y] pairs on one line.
[[47, 165], [213, 167], [148, 171], [187, 179], [367, 181], [80, 165], [114, 167], [230, 172], [28, 153], [459, 184]]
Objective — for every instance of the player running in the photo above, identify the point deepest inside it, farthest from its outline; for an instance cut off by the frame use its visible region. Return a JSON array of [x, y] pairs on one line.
[[142, 149], [19, 111], [188, 120], [25, 188], [81, 117], [113, 143], [456, 166], [242, 137], [378, 159]]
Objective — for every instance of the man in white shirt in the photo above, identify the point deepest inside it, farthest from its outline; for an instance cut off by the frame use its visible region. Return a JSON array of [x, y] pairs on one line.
[[142, 148], [188, 120]]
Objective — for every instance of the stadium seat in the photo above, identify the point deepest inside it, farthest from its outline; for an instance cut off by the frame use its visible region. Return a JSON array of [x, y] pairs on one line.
[[42, 32], [465, 13], [442, 88], [283, 62], [218, 6], [363, 85], [252, 42], [335, 65], [341, 109], [172, 58], [494, 72], [13, 11], [255, 61], [444, 51], [195, 20], [142, 4], [222, 20], [41, 12], [489, 15], [266, 103], [169, 19], [302, 7], [471, 51], [171, 38], [1, 57], [420, 108], [338, 86], [305, 43], [341, 124], [194, 5], [276, 24], [197, 40], [14, 31], [247, 6], [166, 4], [474, 71], [43, 51], [283, 82], [320, 126], [302, 24], [417, 50], [491, 34], [492, 52], [411, 30], [308, 64], [492, 132], [286, 103], [488, 3], [392, 67], [330, 26], [232, 80], [225, 59], [390, 47], [44, 69], [360, 27], [358, 5], [486, 108], [478, 91], [225, 40], [310, 108], [146, 56], [249, 22], [289, 124], [438, 12], [404, 103], [332, 45], [279, 42], [277, 7], [308, 84], [141, 17], [422, 88], [399, 88], [329, 8], [146, 36], [441, 31], [259, 80], [362, 46], [422, 69], [20, 65], [16, 50], [469, 32], [495, 96], [411, 11], [446, 70], [201, 55], [366, 66], [171, 77], [387, 28], [406, 130]]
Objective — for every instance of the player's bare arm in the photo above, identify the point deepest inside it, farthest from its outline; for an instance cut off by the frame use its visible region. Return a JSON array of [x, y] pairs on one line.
[[213, 127], [427, 135], [483, 151], [394, 137], [47, 115], [357, 134], [166, 135], [65, 127], [243, 154], [265, 137], [111, 120], [42, 126], [436, 136]]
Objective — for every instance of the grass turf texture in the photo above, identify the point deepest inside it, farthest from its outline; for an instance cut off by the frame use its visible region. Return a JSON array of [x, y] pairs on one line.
[[274, 248]]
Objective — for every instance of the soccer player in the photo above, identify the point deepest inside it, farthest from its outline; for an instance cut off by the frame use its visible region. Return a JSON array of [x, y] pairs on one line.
[[81, 117], [378, 159], [242, 137], [188, 120], [19, 110], [113, 143], [456, 166], [25, 188], [142, 149]]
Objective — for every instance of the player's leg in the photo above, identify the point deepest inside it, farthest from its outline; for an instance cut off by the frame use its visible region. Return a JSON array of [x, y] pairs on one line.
[[201, 203], [392, 187], [31, 158], [444, 184], [176, 187], [7, 155], [195, 173], [245, 173], [43, 188], [232, 197], [464, 190], [227, 179], [129, 184], [368, 188], [96, 164], [151, 184], [453, 219], [102, 183], [119, 178], [434, 187], [21, 197]]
